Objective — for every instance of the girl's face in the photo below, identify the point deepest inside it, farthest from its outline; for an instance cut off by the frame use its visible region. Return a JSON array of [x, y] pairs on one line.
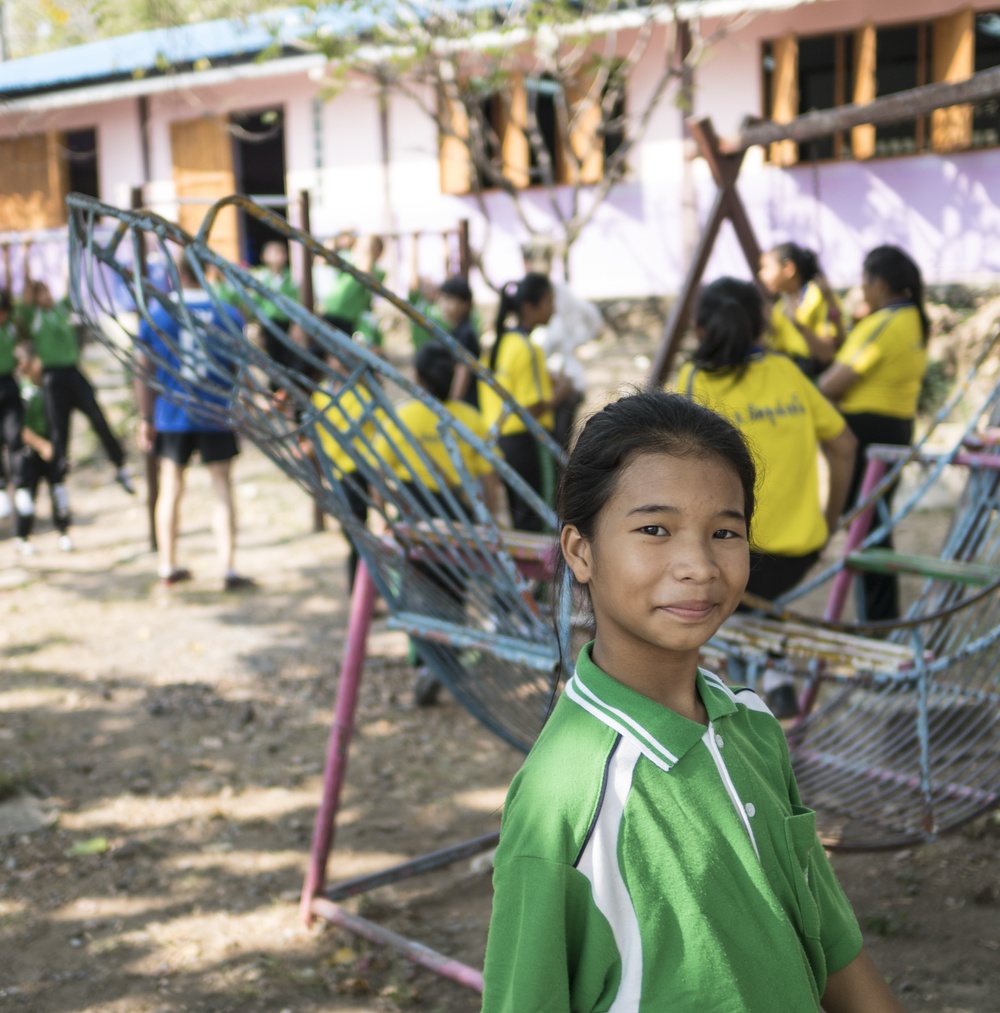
[[668, 562], [777, 276], [453, 310], [538, 314], [874, 291]]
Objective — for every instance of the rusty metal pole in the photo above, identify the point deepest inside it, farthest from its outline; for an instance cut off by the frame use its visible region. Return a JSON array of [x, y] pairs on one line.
[[464, 251], [152, 461], [307, 298]]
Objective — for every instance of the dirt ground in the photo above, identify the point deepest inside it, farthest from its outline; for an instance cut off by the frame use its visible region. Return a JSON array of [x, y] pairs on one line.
[[161, 753]]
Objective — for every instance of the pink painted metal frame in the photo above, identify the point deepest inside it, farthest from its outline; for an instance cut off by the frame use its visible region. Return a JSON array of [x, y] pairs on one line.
[[316, 901]]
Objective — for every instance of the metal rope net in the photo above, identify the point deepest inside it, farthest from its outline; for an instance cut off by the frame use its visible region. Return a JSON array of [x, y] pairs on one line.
[[898, 760], [481, 623]]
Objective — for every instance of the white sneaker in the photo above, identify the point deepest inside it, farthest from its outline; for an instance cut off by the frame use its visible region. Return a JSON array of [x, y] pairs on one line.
[[4, 504], [66, 543], [23, 503], [24, 547]]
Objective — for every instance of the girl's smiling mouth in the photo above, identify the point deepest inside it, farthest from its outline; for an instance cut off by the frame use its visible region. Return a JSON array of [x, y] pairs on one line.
[[689, 609]]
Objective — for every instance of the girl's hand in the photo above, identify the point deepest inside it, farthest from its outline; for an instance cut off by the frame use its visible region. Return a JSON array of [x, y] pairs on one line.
[[146, 436], [562, 388]]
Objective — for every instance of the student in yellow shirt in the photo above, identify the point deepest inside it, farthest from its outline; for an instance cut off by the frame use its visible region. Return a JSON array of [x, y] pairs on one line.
[[436, 489], [519, 367], [342, 408], [875, 381], [787, 422], [806, 318], [396, 445]]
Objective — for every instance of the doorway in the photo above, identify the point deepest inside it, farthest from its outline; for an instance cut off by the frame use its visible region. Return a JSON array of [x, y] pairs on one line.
[[259, 164]]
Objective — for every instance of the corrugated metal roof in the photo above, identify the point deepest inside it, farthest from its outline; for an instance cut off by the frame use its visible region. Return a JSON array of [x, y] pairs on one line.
[[141, 53], [154, 52]]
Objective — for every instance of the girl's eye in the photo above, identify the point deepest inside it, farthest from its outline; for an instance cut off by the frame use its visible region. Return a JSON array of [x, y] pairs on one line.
[[725, 533], [653, 529]]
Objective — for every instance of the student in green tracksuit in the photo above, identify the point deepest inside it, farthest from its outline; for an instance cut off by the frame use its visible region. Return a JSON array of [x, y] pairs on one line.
[[274, 274], [47, 324], [36, 457], [654, 853]]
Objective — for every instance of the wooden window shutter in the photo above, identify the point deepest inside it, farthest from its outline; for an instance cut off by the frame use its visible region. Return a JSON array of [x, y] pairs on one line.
[[953, 54], [585, 137], [34, 178], [202, 153], [513, 131], [455, 158], [785, 95], [863, 137]]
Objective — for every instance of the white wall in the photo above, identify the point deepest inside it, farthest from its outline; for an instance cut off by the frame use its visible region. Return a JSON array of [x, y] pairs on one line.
[[945, 210]]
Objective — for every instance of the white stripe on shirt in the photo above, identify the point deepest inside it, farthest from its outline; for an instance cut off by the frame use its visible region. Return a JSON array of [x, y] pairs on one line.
[[599, 863]]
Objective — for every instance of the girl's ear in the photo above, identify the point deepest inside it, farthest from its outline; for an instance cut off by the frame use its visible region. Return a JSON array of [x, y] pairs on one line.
[[576, 552]]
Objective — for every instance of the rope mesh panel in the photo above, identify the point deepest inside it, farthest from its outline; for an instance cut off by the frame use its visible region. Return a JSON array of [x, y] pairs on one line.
[[448, 574]]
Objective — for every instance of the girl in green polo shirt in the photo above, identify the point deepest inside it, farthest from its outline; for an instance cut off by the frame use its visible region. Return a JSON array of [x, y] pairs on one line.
[[654, 852]]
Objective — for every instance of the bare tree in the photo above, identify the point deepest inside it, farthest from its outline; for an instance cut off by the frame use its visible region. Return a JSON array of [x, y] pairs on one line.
[[523, 94]]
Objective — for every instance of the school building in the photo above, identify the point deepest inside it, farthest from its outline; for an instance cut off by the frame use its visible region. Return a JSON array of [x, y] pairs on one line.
[[190, 114]]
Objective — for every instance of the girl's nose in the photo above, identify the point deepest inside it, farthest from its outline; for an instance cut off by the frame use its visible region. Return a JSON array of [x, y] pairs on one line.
[[694, 560]]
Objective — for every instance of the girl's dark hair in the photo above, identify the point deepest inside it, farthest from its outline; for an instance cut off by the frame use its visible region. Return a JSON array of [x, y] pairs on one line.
[[727, 336], [746, 293], [901, 276], [435, 368], [805, 261], [649, 421], [532, 288]]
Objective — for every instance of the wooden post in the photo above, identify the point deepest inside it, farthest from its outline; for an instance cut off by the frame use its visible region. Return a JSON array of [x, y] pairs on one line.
[[305, 224], [725, 170], [136, 202], [464, 252]]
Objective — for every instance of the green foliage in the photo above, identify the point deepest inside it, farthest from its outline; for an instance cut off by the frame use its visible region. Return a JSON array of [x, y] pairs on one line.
[[937, 384]]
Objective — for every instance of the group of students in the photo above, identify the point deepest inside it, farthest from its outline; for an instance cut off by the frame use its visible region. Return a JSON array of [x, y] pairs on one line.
[[829, 390], [654, 850], [41, 385]]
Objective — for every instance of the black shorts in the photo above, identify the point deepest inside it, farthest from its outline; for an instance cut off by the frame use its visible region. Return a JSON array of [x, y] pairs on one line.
[[211, 446]]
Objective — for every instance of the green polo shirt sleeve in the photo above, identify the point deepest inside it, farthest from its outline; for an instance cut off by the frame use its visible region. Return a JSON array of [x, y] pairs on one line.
[[839, 933], [548, 948]]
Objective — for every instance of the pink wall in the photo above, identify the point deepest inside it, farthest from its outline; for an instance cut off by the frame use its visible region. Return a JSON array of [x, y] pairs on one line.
[[945, 210]]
